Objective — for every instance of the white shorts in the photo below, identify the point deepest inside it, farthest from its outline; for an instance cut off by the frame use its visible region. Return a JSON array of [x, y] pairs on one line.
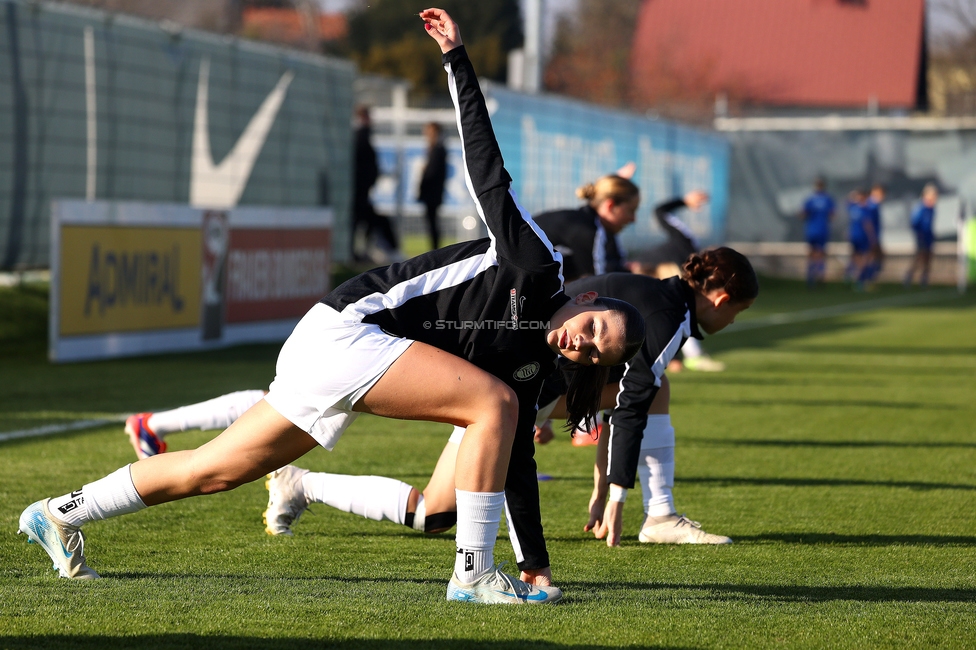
[[326, 365]]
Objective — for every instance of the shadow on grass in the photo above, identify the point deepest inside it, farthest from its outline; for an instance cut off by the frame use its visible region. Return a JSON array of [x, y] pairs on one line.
[[821, 482], [834, 404], [214, 642], [886, 350], [860, 540], [793, 593], [727, 481], [854, 444]]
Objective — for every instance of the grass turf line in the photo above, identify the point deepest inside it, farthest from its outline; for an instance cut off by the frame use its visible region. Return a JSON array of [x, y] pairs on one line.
[[837, 452]]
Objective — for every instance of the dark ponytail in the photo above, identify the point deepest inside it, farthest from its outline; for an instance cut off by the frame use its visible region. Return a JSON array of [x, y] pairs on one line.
[[721, 268], [584, 395]]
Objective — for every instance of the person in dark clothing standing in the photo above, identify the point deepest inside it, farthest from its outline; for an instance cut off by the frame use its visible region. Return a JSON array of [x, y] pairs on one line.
[[587, 236], [365, 174], [432, 181], [923, 222], [817, 213]]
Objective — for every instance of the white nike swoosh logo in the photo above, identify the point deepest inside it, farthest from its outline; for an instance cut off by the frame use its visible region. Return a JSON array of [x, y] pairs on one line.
[[221, 185]]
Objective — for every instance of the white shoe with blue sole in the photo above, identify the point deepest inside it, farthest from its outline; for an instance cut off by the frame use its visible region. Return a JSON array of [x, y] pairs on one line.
[[495, 587], [65, 544]]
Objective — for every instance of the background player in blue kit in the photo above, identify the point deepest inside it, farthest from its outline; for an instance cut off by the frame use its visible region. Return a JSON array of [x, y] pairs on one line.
[[818, 210], [861, 233], [873, 208], [923, 223]]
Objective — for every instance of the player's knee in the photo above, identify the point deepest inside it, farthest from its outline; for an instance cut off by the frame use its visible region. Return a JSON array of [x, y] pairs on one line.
[[508, 407], [205, 478], [498, 407], [214, 483]]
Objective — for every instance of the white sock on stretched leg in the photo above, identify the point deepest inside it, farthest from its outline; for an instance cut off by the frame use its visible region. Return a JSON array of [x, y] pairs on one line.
[[656, 466], [479, 514], [111, 496], [374, 497], [217, 413]]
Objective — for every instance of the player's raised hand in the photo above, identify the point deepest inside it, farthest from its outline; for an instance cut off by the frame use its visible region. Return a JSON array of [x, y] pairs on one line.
[[441, 28], [696, 198]]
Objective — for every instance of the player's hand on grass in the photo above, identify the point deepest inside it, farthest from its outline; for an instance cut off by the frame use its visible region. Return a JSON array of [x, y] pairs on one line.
[[442, 29], [595, 524], [537, 577], [614, 522], [544, 433]]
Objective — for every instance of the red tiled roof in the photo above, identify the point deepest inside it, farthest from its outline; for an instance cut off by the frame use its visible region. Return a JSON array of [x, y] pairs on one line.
[[287, 25], [825, 53]]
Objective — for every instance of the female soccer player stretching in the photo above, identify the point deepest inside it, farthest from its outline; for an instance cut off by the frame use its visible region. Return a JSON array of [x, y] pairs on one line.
[[714, 287], [401, 342]]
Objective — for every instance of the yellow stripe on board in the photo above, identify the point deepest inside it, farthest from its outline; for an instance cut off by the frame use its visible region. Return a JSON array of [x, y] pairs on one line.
[[127, 279]]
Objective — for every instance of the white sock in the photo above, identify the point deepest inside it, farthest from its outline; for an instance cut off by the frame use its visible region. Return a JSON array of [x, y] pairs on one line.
[[420, 515], [217, 413], [111, 496], [374, 497], [692, 348], [479, 514], [656, 466]]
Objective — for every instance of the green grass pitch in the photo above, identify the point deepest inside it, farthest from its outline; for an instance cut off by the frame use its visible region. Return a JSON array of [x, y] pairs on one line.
[[838, 450]]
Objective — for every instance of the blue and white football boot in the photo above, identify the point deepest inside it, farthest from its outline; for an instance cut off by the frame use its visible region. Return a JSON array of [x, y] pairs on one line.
[[63, 542], [495, 587]]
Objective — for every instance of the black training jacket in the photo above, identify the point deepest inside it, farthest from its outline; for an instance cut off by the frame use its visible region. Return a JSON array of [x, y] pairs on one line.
[[587, 248], [488, 301], [681, 240], [668, 308]]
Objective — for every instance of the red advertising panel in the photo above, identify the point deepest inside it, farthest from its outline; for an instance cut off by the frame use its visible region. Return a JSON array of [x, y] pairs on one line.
[[275, 274]]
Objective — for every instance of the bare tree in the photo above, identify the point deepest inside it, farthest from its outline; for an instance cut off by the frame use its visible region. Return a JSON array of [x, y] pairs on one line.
[[212, 15], [952, 69], [591, 52]]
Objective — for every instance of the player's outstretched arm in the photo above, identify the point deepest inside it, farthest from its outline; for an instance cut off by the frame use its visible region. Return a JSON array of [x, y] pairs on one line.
[[514, 235]]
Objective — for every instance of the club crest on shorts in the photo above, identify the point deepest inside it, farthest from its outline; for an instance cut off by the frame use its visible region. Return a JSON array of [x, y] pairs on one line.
[[527, 372]]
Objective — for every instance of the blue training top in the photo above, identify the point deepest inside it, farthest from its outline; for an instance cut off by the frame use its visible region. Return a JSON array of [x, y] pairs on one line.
[[816, 215], [857, 214], [873, 212], [923, 218]]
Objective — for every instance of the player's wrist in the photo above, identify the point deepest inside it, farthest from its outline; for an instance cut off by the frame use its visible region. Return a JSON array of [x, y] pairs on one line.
[[617, 493]]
